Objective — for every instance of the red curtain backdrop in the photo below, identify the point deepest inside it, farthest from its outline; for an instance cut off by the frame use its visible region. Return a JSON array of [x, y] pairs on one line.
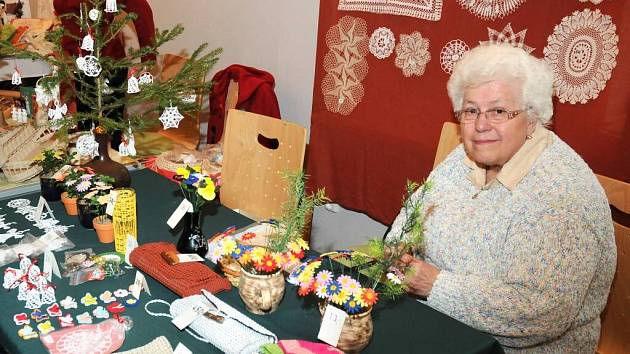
[[364, 156]]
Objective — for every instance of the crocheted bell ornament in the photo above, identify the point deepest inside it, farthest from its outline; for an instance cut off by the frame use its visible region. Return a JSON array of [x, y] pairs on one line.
[[128, 145], [110, 6], [87, 145], [171, 117], [132, 85], [88, 43], [16, 79], [92, 66]]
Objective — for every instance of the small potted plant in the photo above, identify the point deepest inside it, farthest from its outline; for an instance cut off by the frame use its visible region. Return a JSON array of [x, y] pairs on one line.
[[87, 185], [353, 281], [98, 197], [71, 195], [51, 161]]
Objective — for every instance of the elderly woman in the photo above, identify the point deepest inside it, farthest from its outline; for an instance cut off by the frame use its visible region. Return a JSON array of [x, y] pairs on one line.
[[520, 242]]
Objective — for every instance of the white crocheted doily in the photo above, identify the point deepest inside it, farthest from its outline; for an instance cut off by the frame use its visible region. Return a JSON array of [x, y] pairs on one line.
[[382, 42], [508, 36], [91, 67], [582, 52], [345, 65], [451, 53], [171, 117], [490, 9], [412, 54], [425, 9]]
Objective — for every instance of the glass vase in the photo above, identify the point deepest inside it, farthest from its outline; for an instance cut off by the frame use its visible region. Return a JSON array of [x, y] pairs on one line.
[[192, 239]]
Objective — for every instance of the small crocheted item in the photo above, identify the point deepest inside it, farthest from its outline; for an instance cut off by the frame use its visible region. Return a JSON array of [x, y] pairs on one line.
[[158, 345], [184, 278]]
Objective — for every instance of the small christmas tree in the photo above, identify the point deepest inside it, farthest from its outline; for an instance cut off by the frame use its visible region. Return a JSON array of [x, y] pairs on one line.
[[84, 77]]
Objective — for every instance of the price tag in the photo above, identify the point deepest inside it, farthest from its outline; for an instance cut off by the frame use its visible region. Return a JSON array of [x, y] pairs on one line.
[[41, 204], [50, 266], [331, 326], [109, 210], [187, 317], [130, 245], [178, 214], [138, 284], [181, 349]]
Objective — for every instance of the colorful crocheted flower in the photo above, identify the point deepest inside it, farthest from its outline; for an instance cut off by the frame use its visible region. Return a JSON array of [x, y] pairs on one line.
[[320, 291], [207, 191], [368, 297], [333, 288], [228, 245], [83, 186], [324, 277], [257, 254], [239, 251], [181, 171], [305, 288], [352, 306], [266, 264], [340, 298]]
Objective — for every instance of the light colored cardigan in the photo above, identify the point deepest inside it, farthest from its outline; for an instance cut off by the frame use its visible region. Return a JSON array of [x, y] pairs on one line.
[[531, 266]]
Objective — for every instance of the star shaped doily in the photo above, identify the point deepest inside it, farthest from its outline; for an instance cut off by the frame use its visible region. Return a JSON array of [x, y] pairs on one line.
[[171, 117], [508, 36]]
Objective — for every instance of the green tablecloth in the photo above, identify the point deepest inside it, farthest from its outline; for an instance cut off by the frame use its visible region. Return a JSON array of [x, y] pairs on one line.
[[403, 327]]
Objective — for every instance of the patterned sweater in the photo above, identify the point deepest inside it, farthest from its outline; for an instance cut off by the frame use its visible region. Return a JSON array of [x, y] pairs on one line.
[[531, 266]]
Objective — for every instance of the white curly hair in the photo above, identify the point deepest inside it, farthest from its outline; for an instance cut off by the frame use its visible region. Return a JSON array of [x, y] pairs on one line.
[[505, 63]]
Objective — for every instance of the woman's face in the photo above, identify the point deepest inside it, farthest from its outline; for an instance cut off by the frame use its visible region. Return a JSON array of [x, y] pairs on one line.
[[494, 144]]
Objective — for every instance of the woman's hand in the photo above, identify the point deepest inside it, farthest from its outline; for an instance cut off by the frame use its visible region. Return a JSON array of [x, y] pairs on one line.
[[421, 275]]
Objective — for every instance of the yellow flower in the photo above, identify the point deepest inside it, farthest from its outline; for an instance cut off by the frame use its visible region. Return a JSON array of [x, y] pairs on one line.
[[303, 244], [341, 297], [183, 172], [245, 258], [207, 192], [306, 276], [229, 245], [197, 168], [58, 154], [258, 253], [293, 247], [39, 157]]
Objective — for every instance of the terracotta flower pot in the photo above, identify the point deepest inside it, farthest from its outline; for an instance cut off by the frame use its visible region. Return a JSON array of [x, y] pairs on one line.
[[104, 229], [70, 204], [261, 293], [356, 332]]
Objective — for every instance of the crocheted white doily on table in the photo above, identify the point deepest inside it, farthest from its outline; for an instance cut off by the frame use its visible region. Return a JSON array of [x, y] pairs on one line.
[[508, 36], [412, 54], [382, 42], [424, 9], [345, 65], [490, 9], [582, 52], [451, 53]]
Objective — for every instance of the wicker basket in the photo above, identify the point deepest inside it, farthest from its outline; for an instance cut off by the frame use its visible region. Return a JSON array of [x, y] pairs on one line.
[[172, 160], [12, 140], [20, 165]]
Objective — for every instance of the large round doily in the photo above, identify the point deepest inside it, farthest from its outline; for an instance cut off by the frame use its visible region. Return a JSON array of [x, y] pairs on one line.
[[582, 52], [345, 65], [490, 9], [451, 53]]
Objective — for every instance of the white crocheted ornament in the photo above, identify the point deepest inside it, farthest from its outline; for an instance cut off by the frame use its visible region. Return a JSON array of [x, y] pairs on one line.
[[16, 79], [88, 43], [48, 294], [93, 14], [128, 146], [111, 6], [145, 78], [382, 42], [451, 53], [19, 115], [171, 117], [192, 98], [132, 85], [92, 66], [11, 275], [33, 299], [87, 145], [22, 290], [44, 96]]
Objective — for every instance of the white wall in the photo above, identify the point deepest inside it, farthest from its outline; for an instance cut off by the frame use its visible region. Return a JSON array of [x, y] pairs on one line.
[[279, 36]]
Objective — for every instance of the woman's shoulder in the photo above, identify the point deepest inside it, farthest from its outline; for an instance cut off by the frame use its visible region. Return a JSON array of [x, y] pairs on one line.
[[452, 164]]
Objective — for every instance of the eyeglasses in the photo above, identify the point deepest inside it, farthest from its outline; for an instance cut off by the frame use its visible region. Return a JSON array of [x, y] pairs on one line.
[[494, 115]]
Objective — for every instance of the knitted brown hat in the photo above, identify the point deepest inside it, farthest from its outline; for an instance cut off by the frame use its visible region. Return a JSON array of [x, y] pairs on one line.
[[183, 279]]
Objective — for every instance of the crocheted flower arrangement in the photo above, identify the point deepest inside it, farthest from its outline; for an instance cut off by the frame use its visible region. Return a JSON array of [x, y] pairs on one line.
[[197, 186]]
